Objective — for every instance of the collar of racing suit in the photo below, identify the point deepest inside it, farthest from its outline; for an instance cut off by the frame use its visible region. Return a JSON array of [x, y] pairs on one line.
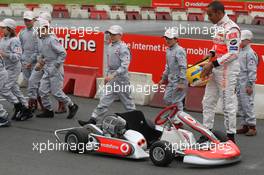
[[115, 43], [173, 47], [246, 47], [223, 20]]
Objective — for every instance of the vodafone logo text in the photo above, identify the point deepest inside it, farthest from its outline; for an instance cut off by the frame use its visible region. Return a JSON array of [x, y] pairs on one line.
[[77, 44], [196, 4], [256, 6]]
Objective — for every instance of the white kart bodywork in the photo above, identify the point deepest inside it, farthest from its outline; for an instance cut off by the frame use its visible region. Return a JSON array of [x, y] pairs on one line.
[[132, 137]]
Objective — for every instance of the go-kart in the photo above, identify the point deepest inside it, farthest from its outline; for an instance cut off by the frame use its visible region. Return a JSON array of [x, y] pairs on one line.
[[111, 138], [175, 141], [131, 135]]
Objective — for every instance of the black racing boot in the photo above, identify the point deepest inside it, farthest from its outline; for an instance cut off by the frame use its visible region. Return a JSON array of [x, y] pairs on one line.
[[72, 111], [231, 137], [25, 114], [4, 122], [18, 109], [90, 121], [46, 114]]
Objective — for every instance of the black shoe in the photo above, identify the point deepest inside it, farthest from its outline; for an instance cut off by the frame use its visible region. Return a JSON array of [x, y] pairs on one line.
[[25, 115], [91, 121], [4, 122], [231, 137], [46, 114], [72, 111], [18, 109], [202, 139]]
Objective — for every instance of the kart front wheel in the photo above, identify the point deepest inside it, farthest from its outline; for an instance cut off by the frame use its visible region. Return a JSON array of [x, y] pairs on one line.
[[77, 139], [161, 153]]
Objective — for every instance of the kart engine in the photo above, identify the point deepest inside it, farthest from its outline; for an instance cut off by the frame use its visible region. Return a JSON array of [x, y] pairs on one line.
[[114, 125]]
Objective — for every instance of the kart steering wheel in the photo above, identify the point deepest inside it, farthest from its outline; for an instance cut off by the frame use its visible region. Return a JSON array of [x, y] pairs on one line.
[[165, 114]]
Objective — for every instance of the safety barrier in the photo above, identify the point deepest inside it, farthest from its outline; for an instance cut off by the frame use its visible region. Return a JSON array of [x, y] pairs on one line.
[[99, 14], [258, 101], [78, 13], [80, 80], [157, 99], [193, 99], [103, 8], [133, 15], [60, 13], [141, 80], [148, 15], [244, 19], [140, 86], [117, 15], [179, 16], [5, 11], [244, 13]]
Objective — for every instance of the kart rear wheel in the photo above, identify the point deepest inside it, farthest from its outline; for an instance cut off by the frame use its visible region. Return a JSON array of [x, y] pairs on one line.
[[77, 139], [221, 136], [161, 153]]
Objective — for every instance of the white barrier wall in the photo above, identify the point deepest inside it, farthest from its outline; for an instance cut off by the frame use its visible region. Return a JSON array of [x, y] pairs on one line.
[[141, 85]]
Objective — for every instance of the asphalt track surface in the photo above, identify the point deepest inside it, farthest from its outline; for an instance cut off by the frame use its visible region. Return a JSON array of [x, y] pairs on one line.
[[18, 157]]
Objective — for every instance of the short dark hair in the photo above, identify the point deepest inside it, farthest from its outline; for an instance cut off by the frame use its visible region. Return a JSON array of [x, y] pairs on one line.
[[217, 6]]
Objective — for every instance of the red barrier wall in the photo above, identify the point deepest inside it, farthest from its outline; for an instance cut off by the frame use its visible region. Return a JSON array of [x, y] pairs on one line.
[[148, 54]]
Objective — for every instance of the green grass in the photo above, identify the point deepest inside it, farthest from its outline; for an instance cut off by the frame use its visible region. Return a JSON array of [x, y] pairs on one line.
[[128, 2]]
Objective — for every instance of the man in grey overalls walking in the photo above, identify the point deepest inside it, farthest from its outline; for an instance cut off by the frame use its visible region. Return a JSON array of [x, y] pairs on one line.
[[246, 85], [118, 60], [53, 56]]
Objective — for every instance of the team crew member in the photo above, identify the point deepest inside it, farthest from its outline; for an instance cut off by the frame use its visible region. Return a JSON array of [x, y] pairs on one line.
[[10, 66], [224, 68], [246, 85], [118, 60], [53, 56], [4, 122], [34, 80], [175, 70], [29, 43]]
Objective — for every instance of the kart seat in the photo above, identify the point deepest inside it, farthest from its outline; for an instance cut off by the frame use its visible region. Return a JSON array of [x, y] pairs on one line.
[[137, 121]]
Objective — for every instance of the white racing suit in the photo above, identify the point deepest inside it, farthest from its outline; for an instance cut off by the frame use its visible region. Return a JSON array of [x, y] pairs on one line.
[[224, 75], [247, 78]]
